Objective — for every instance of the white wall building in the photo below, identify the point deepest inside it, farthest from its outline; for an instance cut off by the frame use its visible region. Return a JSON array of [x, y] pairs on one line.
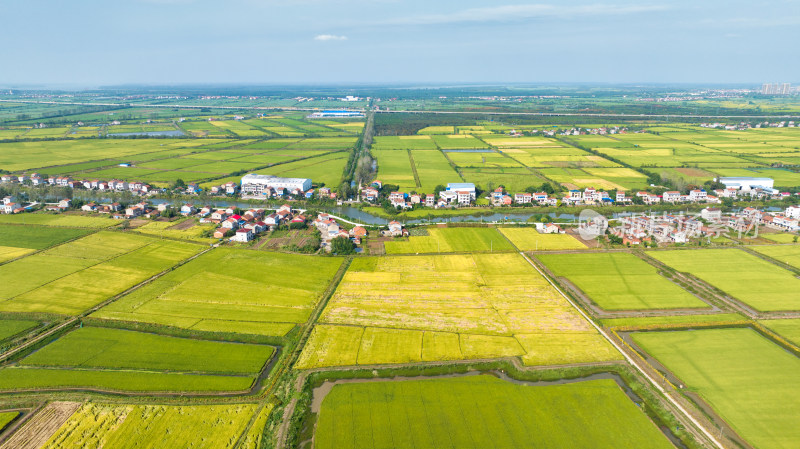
[[748, 183], [253, 184], [462, 187]]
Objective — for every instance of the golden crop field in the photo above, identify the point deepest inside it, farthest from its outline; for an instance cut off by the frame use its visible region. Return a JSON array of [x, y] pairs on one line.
[[407, 309]]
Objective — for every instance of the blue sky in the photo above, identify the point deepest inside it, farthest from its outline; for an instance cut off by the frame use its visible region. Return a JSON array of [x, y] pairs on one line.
[[92, 43]]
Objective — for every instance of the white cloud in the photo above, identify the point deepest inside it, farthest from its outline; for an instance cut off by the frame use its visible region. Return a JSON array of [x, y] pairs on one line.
[[507, 13], [329, 37]]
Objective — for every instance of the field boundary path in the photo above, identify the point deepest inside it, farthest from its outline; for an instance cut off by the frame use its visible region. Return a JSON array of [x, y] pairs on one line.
[[280, 436], [670, 395]]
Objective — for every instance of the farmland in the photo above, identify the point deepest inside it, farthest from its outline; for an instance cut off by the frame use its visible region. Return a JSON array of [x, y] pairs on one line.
[[788, 328], [9, 252], [59, 220], [100, 348], [747, 379], [188, 159], [788, 254], [6, 418], [73, 277], [483, 306], [95, 426], [620, 281], [133, 361], [528, 239], [10, 328], [482, 411], [445, 240], [762, 285], [231, 291], [36, 237]]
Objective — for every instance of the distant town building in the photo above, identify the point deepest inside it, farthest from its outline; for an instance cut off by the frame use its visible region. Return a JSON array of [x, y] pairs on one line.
[[337, 114], [776, 88]]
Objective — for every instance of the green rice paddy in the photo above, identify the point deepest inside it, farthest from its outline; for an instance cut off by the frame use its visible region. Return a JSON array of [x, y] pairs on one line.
[[750, 381], [620, 281], [482, 411]]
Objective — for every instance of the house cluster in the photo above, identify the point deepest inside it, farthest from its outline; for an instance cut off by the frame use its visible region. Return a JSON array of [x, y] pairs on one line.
[[592, 197], [36, 179], [679, 228], [11, 205], [788, 220], [745, 126], [110, 208], [329, 229], [666, 228], [588, 131], [456, 194], [244, 227], [675, 197], [500, 198]]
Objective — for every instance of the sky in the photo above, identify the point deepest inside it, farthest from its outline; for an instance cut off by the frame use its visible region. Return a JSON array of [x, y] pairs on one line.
[[99, 43]]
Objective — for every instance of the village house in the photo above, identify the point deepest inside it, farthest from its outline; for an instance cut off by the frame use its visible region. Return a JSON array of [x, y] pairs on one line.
[[395, 228], [230, 223], [89, 207], [430, 200], [219, 216], [711, 214], [358, 232], [188, 209]]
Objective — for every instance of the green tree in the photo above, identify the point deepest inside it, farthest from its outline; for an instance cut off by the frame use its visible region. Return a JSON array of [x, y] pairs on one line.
[[342, 246]]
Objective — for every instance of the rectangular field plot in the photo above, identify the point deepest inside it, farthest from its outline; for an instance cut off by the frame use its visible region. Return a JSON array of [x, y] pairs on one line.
[[599, 178], [788, 254], [458, 141], [481, 160], [528, 239], [394, 167], [750, 381], [513, 179], [102, 348], [134, 361], [16, 156], [788, 328], [73, 277], [403, 143], [482, 412], [36, 237], [620, 281], [761, 284], [95, 426], [231, 291], [10, 328], [432, 170], [446, 240], [60, 220], [9, 252], [405, 309]]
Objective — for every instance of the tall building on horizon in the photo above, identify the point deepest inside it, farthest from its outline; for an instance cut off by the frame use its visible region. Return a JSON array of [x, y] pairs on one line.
[[776, 88]]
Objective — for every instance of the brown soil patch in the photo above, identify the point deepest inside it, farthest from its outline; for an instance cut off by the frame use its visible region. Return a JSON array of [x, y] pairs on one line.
[[184, 225], [42, 426], [136, 222]]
